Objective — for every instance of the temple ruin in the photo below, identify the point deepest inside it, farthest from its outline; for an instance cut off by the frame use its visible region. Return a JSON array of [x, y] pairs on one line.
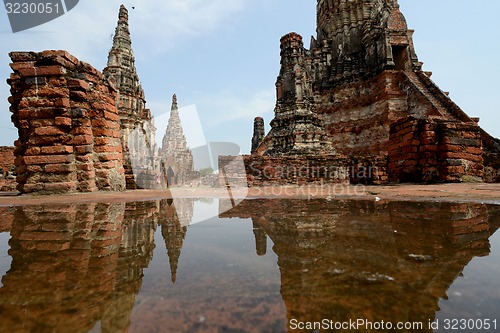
[[135, 118], [357, 107], [81, 130], [176, 158]]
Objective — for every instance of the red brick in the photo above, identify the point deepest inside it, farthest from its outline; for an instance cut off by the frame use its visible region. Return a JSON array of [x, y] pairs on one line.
[[42, 71], [474, 150], [48, 159], [84, 149], [85, 167], [113, 116], [59, 168], [42, 122], [60, 187], [104, 141], [33, 151], [81, 130], [49, 131], [104, 149], [85, 158], [103, 132], [57, 150], [63, 121], [78, 84], [81, 140]]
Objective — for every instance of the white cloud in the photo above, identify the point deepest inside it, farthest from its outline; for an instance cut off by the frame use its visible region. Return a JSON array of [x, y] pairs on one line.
[[228, 107]]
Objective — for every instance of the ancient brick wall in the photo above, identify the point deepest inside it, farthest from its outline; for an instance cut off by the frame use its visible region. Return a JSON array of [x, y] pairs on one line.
[[69, 131], [7, 169], [302, 170], [6, 160], [491, 167], [422, 150], [357, 115]]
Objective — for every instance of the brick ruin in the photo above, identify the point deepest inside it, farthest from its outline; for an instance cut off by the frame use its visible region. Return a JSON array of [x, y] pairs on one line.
[[69, 135], [7, 169], [81, 130], [359, 99]]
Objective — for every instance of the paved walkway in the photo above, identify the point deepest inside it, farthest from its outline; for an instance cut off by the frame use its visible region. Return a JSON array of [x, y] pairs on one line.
[[487, 193]]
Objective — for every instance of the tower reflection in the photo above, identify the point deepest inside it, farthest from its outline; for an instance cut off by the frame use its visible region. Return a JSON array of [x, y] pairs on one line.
[[363, 260]]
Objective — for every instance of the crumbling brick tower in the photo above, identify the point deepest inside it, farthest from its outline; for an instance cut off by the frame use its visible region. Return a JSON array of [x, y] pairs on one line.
[[137, 126], [359, 92], [69, 135]]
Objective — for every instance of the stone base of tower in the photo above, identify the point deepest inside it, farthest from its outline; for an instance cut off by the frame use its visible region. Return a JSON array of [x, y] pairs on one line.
[[302, 170], [396, 126]]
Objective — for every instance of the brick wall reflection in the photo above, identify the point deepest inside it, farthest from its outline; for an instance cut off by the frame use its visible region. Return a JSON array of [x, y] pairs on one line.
[[76, 266]]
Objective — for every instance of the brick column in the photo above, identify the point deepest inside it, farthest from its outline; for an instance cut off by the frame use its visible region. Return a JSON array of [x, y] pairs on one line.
[[69, 138]]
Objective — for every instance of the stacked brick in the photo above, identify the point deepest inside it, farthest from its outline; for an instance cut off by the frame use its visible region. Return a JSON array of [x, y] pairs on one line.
[[69, 131], [6, 161], [7, 169], [301, 170], [422, 150]]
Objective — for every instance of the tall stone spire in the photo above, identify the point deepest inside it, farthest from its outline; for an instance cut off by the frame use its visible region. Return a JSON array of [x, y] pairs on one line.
[[135, 119], [176, 157]]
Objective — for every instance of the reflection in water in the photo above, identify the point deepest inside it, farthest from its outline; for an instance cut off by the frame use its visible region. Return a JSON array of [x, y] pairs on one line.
[[363, 260], [80, 267], [172, 230], [75, 265]]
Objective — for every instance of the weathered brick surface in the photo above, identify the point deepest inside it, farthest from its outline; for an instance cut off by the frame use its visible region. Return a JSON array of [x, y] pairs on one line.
[[7, 169], [301, 170], [427, 151], [60, 106]]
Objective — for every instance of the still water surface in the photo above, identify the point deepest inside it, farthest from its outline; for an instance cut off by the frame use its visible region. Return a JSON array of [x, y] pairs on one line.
[[262, 266]]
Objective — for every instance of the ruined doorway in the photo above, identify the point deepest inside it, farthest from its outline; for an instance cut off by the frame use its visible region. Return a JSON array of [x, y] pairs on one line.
[[400, 56], [170, 177]]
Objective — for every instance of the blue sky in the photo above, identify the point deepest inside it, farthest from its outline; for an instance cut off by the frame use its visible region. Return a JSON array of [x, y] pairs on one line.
[[222, 56]]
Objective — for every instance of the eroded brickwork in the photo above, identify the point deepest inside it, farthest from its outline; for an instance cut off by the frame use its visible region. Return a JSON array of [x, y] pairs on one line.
[[424, 151], [69, 134], [74, 266], [301, 170], [7, 169]]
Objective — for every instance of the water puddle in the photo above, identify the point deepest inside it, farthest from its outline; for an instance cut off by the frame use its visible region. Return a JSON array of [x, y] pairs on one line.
[[205, 265]]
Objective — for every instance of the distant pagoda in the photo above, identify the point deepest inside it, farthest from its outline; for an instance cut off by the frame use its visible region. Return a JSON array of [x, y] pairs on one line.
[[176, 157]]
